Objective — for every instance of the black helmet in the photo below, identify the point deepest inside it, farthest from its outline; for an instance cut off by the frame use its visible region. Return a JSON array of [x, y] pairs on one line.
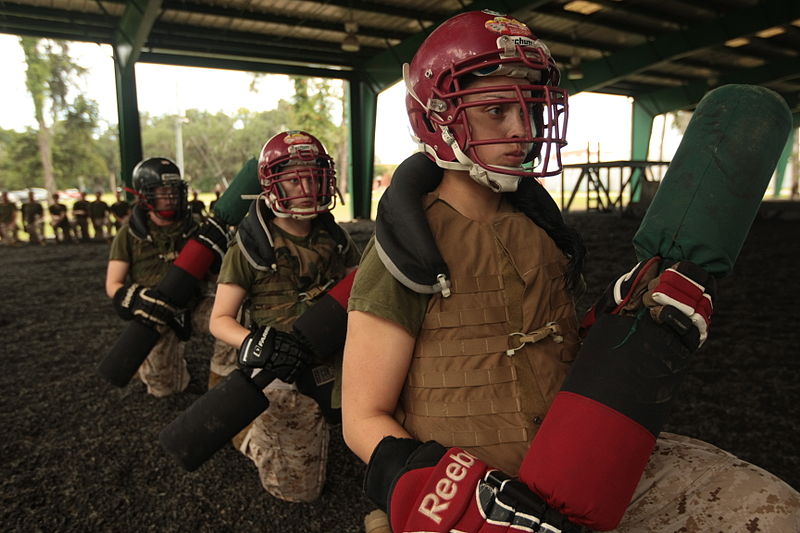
[[151, 174]]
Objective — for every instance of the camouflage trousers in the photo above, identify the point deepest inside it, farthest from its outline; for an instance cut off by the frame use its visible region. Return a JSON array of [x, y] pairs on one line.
[[81, 228], [100, 225], [223, 362], [164, 372], [288, 443], [35, 231], [8, 232], [690, 486]]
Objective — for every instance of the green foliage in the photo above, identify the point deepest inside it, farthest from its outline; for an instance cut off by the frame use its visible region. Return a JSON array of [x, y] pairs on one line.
[[107, 146], [313, 105], [63, 72], [214, 145], [20, 165], [36, 75], [76, 157], [77, 154], [49, 76]]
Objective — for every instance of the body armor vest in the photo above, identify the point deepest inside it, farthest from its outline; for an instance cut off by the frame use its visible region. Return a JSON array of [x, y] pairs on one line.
[[491, 356], [290, 277], [151, 256]]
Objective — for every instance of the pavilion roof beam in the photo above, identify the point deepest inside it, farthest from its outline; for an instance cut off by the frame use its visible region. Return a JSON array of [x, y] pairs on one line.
[[687, 96], [669, 47], [133, 30]]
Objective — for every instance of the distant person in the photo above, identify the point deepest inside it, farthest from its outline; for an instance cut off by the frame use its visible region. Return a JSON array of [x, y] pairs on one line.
[[80, 218], [8, 220], [62, 229], [98, 212], [198, 208], [217, 193], [33, 219], [141, 254], [120, 210]]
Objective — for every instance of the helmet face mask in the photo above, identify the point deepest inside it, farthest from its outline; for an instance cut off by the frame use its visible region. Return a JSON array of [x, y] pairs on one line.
[[297, 175], [161, 190], [482, 45]]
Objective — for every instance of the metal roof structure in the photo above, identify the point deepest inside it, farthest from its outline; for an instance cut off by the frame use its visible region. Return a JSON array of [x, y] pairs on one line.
[[630, 47], [664, 53]]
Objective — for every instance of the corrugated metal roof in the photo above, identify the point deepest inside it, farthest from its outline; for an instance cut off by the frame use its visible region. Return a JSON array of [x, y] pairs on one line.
[[681, 42]]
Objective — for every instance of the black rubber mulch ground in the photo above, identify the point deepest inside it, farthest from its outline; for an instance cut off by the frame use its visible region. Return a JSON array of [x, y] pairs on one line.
[[80, 455]]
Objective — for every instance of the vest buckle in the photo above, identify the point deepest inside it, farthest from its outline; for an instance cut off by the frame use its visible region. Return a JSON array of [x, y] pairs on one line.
[[443, 283], [314, 292], [551, 329]]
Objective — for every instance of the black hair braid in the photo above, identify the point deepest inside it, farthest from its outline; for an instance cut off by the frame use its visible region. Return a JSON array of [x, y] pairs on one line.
[[532, 199]]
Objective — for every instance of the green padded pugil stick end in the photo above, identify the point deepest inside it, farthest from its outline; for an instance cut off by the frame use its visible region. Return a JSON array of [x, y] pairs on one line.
[[711, 191], [231, 207]]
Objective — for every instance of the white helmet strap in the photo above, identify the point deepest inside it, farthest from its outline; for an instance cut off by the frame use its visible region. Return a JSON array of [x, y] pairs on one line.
[[496, 181]]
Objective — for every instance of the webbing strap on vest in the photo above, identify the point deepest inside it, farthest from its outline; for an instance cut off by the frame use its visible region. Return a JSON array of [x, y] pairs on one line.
[[477, 284], [489, 406], [454, 348], [479, 438], [463, 378], [466, 317]]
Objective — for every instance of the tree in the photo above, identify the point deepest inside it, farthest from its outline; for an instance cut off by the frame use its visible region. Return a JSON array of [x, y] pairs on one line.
[[48, 78], [312, 110], [107, 146], [19, 158], [75, 154], [215, 145], [313, 107]]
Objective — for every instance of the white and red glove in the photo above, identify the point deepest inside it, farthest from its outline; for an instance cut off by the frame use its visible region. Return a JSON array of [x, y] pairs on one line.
[[682, 296], [690, 290], [425, 487]]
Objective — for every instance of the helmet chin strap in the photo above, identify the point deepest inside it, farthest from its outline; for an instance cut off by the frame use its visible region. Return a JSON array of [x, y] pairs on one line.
[[496, 181], [281, 214]]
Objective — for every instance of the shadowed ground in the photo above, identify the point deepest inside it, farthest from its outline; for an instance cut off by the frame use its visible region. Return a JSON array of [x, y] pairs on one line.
[[80, 455]]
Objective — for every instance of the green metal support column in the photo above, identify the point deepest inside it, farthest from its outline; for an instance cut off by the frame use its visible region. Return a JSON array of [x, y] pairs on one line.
[[129, 38], [363, 103], [641, 129], [130, 134], [780, 169]]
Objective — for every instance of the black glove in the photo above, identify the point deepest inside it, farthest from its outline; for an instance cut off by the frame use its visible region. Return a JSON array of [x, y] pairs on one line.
[[214, 235], [427, 487], [151, 308], [278, 352]]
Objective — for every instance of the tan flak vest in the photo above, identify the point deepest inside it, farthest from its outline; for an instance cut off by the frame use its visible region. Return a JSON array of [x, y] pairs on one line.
[[490, 358], [300, 276]]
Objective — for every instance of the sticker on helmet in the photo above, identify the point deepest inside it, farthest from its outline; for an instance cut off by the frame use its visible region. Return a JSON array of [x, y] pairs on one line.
[[508, 26], [296, 137]]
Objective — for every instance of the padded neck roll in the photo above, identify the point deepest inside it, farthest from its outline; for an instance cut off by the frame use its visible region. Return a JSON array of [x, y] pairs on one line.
[[710, 194]]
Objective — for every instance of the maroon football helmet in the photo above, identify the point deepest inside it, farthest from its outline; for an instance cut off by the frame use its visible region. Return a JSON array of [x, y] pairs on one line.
[[297, 175], [479, 44]]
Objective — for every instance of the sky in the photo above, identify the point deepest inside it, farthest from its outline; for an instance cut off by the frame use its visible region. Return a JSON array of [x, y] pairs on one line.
[[594, 119]]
